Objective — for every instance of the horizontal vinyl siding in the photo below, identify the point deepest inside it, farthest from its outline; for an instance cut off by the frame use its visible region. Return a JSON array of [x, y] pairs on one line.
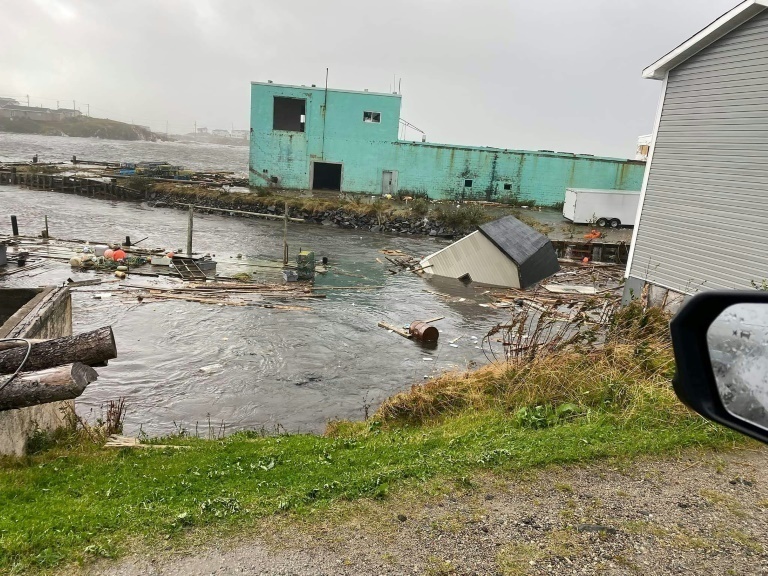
[[704, 221]]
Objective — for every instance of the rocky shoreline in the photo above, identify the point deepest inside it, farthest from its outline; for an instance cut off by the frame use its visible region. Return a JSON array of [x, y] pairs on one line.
[[339, 217]]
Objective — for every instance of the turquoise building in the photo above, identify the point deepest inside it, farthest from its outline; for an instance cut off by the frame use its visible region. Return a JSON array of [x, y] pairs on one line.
[[309, 138]]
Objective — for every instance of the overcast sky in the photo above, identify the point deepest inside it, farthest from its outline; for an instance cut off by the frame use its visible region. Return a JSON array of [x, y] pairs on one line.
[[534, 74]]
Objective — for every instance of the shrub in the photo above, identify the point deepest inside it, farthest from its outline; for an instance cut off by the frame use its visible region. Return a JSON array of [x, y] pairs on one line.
[[419, 207]]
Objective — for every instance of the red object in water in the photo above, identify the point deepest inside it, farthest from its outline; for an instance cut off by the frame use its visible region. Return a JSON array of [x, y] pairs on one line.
[[585, 260], [118, 255], [108, 253]]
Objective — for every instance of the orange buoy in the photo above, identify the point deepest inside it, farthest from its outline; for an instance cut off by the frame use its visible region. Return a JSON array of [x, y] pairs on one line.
[[108, 253], [170, 255], [118, 255], [585, 260]]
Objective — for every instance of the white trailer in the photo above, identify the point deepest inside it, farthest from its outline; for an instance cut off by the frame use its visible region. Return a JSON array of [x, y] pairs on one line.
[[612, 208]]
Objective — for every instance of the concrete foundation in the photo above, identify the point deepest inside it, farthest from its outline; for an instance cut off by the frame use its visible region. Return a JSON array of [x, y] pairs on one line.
[[35, 313], [657, 296]]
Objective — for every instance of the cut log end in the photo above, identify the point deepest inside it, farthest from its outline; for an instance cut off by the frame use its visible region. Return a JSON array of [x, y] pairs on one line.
[[51, 385]]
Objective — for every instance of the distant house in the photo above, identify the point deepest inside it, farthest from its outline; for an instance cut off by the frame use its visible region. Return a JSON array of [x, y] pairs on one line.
[[240, 134], [703, 218], [643, 147], [202, 130], [8, 102], [220, 132], [68, 113], [28, 112], [505, 252]]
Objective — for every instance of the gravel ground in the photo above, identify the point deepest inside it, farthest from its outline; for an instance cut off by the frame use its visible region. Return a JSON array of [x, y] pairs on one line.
[[698, 513]]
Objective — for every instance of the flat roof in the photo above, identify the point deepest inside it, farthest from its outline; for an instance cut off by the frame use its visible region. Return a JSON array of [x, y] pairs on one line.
[[322, 89], [516, 151], [703, 38]]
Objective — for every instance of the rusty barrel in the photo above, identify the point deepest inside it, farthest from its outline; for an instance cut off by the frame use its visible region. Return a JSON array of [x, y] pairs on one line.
[[423, 331]]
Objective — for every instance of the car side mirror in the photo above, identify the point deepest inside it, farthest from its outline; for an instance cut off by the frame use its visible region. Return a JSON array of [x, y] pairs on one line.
[[720, 340]]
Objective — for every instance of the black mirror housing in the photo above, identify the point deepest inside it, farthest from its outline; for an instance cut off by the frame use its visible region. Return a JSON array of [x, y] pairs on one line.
[[695, 383]]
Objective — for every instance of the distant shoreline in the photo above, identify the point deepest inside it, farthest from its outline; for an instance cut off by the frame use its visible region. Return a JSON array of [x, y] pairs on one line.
[[80, 127]]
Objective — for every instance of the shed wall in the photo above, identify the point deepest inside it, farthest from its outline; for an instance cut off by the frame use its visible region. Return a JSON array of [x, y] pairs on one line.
[[477, 256], [704, 219]]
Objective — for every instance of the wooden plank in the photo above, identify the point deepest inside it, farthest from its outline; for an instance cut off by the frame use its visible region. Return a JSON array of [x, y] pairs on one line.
[[395, 329]]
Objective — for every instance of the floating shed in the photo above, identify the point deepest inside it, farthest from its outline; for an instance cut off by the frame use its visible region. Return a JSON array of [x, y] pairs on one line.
[[504, 252]]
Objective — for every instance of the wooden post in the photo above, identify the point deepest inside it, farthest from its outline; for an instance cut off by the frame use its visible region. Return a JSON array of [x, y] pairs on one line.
[[46, 225], [14, 226], [189, 231], [285, 235]]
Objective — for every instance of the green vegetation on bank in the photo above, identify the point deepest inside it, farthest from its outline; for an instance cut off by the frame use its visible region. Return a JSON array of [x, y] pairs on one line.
[[74, 502], [82, 126], [464, 217]]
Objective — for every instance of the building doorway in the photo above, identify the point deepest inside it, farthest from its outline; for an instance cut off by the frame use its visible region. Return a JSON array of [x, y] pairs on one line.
[[326, 176], [389, 182]]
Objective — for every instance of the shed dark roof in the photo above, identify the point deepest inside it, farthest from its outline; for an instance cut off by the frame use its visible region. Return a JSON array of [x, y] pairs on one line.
[[517, 240]]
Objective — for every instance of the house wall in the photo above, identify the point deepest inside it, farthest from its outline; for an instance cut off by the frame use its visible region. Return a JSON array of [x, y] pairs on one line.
[[704, 218], [477, 256], [42, 313], [368, 149]]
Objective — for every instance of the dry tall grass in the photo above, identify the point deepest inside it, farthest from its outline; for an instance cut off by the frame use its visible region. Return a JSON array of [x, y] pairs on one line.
[[630, 371]]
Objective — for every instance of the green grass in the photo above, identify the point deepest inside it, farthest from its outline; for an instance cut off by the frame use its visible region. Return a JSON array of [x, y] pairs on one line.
[[65, 506], [74, 502]]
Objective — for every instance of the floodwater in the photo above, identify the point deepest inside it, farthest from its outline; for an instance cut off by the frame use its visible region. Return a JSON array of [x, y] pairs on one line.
[[182, 364], [192, 155]]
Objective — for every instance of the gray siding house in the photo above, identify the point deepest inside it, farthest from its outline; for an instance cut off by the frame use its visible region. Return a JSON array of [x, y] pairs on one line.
[[703, 217]]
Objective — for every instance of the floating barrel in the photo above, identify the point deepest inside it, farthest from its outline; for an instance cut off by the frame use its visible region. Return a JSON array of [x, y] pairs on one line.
[[423, 331]]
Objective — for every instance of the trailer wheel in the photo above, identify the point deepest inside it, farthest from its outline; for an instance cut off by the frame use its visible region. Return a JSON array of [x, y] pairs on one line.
[[602, 222], [615, 222]]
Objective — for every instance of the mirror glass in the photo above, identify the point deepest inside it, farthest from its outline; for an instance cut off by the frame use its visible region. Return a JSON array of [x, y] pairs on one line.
[[738, 348]]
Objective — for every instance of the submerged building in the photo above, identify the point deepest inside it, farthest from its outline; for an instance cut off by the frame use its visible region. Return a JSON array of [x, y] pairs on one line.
[[504, 253], [310, 138]]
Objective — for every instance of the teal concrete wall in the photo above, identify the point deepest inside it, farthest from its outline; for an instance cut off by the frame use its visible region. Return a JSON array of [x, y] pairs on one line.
[[365, 150]]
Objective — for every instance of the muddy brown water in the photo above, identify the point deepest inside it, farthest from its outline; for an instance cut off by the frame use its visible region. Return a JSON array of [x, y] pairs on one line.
[[182, 364]]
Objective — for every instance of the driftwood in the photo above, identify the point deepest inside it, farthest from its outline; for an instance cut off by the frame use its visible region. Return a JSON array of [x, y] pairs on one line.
[[395, 329], [91, 348], [51, 385]]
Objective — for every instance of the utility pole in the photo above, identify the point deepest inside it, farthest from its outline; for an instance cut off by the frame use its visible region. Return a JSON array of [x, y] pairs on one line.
[[57, 104], [73, 105], [27, 100], [89, 110], [195, 127], [166, 129]]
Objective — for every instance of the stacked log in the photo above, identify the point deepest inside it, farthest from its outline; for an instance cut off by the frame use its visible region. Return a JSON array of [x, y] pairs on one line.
[[57, 369]]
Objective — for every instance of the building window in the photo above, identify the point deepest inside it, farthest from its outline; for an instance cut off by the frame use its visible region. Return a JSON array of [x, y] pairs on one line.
[[289, 114], [507, 186], [374, 117], [467, 183]]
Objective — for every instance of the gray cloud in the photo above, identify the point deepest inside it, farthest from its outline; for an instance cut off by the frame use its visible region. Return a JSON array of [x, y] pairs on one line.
[[554, 74]]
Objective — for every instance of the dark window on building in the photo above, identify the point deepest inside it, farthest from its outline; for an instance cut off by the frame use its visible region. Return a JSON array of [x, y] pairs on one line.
[[289, 114], [507, 186], [374, 117], [326, 176], [467, 183]]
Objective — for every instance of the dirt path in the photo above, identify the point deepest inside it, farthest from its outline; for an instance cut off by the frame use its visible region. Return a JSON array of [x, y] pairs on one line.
[[700, 513]]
